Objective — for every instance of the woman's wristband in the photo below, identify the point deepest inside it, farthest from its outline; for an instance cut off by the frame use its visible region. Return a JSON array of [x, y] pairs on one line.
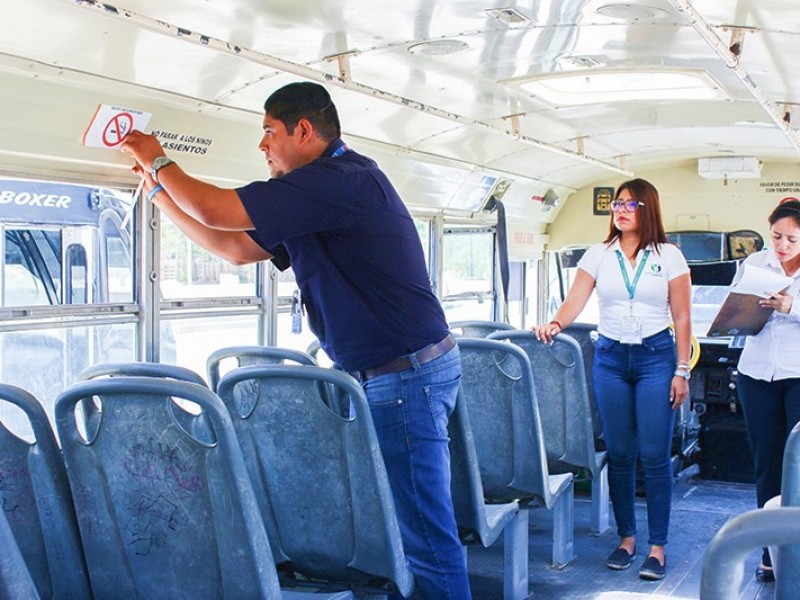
[[557, 324], [152, 193]]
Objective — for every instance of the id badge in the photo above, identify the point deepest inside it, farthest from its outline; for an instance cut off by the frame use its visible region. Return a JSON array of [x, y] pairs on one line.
[[631, 330], [297, 312]]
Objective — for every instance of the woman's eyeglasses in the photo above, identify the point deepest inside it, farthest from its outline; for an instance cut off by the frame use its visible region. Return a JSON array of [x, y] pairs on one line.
[[628, 205]]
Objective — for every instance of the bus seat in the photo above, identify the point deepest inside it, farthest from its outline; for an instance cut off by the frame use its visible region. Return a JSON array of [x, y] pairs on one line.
[[498, 392], [161, 513], [560, 382], [586, 334], [478, 329], [38, 511], [245, 356], [318, 354], [319, 478], [478, 521], [723, 563], [248, 356], [141, 369], [90, 412], [786, 559], [15, 578]]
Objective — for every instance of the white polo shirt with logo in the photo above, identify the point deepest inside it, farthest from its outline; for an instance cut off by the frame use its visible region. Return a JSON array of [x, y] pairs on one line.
[[651, 299]]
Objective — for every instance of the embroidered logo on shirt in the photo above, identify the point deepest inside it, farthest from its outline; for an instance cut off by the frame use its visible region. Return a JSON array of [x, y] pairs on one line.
[[656, 269]]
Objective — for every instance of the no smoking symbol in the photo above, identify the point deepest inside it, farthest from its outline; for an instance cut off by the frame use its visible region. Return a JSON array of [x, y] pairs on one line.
[[117, 128]]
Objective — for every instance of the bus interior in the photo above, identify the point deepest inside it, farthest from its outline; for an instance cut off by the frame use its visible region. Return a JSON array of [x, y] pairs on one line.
[[506, 128]]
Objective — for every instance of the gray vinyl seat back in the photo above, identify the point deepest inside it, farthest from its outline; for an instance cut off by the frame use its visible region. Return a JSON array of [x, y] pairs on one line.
[[498, 393], [787, 575], [163, 513], [15, 578], [778, 528], [586, 335], [562, 395], [319, 477], [478, 329], [40, 528], [141, 369], [90, 412], [478, 522], [246, 356]]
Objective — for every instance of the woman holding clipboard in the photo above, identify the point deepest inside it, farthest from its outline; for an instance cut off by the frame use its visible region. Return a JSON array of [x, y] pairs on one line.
[[769, 368], [640, 373]]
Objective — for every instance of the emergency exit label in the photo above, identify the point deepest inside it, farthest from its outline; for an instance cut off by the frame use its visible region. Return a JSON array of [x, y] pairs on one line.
[[111, 124]]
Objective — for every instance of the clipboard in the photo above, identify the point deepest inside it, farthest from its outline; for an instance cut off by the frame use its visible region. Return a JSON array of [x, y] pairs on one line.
[[741, 314]]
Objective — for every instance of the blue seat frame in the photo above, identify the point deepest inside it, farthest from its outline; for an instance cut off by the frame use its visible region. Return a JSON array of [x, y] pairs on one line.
[[566, 412], [319, 477], [39, 526], [498, 392], [163, 514], [478, 329]]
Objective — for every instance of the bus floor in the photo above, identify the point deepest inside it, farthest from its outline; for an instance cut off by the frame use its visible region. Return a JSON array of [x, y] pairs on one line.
[[699, 509]]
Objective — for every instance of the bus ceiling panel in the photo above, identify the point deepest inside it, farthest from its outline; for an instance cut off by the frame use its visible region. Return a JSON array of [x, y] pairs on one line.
[[441, 81], [49, 121], [121, 53]]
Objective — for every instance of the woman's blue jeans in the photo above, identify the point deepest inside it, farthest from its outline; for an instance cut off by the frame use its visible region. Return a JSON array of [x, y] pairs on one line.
[[410, 410], [632, 389]]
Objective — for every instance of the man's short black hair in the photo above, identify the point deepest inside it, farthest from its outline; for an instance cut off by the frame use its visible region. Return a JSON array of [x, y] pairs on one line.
[[305, 100]]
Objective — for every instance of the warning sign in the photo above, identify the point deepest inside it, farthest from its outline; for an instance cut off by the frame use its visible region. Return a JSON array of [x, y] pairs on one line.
[[110, 125]]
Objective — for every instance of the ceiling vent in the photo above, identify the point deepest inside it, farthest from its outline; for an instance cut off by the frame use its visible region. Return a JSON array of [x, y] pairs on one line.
[[631, 12], [729, 167], [508, 16]]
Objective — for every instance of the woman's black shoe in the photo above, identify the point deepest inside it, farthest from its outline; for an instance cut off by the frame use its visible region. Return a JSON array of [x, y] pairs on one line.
[[620, 559], [652, 569], [764, 574]]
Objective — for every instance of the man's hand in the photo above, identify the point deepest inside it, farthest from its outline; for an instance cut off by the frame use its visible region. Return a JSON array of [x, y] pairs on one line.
[[144, 148]]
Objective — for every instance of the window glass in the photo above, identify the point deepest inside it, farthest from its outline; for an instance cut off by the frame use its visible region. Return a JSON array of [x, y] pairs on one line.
[[562, 268], [467, 275], [189, 271], [31, 267], [45, 362], [58, 260], [189, 342]]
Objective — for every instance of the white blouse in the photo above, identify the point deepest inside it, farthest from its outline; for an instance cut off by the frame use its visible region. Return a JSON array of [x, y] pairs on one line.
[[651, 299], [774, 352]]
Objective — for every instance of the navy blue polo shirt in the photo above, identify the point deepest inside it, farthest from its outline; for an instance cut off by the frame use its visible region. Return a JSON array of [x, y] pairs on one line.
[[356, 255]]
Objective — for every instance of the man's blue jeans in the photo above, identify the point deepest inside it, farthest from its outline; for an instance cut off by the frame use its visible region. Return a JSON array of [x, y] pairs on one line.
[[632, 386], [410, 410]]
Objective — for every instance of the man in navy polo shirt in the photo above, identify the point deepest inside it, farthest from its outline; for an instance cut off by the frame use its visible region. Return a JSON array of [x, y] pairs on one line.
[[334, 216]]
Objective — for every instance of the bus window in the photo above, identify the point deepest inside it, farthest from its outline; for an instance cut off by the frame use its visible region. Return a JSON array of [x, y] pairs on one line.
[[75, 274], [468, 274], [22, 285], [562, 267], [189, 271]]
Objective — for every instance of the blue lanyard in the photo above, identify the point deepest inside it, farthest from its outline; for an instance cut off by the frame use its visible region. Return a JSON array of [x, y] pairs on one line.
[[339, 151], [631, 286]]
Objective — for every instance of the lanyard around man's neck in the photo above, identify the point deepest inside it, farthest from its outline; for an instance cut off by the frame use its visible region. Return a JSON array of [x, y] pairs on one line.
[[339, 151], [631, 287]]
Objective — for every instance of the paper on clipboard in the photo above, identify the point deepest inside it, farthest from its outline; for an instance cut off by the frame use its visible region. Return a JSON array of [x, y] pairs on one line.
[[741, 314]]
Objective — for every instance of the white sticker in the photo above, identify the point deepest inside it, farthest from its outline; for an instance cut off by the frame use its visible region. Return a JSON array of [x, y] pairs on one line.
[[111, 124]]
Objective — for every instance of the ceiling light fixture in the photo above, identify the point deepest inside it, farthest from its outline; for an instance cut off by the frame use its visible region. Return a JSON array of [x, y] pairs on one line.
[[438, 47]]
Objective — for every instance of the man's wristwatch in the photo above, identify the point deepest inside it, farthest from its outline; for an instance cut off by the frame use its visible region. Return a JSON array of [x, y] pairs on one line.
[[159, 163]]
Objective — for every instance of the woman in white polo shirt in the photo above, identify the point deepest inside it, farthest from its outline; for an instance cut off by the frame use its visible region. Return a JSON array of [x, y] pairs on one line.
[[639, 379], [769, 368]]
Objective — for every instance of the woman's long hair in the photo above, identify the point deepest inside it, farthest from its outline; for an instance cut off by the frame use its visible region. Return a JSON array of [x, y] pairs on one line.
[[651, 226]]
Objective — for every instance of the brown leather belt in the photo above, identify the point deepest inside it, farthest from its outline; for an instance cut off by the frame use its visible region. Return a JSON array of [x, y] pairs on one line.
[[404, 363]]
